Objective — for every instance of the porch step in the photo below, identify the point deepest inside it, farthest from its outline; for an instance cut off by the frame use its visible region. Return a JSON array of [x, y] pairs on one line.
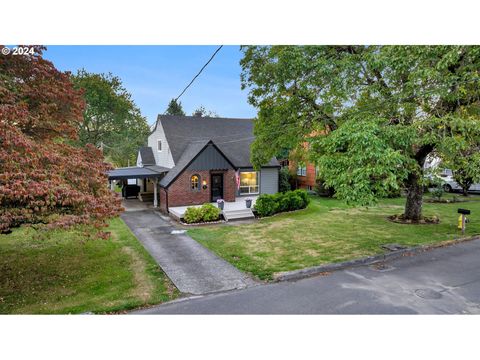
[[238, 214]]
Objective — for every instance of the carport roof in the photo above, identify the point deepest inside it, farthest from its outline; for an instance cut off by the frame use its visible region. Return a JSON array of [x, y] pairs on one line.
[[136, 172]]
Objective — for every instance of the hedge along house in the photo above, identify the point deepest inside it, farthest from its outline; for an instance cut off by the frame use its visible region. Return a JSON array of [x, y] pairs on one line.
[[202, 159]]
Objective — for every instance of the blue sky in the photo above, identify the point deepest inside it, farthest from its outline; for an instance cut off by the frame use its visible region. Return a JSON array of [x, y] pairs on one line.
[[156, 74]]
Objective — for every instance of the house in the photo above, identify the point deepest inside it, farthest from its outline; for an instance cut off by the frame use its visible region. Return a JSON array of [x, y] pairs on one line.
[[306, 174], [192, 160]]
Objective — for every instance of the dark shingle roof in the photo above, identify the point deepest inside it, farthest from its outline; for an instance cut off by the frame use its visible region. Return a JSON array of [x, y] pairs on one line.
[[146, 154], [232, 136], [135, 172]]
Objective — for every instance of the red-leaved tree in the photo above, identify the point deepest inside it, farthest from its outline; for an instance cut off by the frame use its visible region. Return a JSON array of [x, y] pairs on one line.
[[44, 179]]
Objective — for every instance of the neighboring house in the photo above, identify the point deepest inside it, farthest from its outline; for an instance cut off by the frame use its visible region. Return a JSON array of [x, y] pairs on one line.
[[306, 174], [191, 160]]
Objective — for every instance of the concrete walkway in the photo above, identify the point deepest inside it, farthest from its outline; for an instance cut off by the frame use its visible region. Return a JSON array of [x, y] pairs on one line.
[[191, 267]]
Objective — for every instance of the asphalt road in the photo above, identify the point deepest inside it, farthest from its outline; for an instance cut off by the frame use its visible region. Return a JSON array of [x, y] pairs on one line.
[[440, 281]]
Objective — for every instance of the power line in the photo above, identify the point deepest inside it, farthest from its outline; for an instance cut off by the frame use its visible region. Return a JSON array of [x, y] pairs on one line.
[[203, 67]]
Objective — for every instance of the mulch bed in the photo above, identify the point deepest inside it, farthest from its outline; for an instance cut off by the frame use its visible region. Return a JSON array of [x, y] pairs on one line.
[[400, 219], [219, 221]]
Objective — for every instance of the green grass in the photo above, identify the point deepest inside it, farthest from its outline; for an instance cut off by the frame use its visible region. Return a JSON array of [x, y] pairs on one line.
[[64, 271], [328, 231]]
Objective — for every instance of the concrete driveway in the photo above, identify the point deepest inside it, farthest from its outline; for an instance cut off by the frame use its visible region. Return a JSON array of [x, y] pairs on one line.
[[441, 281], [191, 267]]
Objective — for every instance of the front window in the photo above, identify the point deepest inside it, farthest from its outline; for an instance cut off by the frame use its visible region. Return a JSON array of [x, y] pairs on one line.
[[302, 170], [249, 182], [159, 145], [194, 182]]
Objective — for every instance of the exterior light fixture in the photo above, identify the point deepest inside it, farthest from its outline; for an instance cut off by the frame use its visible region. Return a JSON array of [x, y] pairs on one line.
[[204, 184]]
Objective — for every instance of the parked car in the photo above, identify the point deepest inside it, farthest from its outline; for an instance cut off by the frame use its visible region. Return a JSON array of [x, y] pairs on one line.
[[445, 178]]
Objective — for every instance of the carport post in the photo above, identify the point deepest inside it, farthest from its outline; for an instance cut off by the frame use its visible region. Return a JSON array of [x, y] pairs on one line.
[[112, 185], [155, 201]]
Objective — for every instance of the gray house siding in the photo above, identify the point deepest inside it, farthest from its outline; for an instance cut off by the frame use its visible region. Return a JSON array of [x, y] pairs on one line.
[[210, 159], [269, 180]]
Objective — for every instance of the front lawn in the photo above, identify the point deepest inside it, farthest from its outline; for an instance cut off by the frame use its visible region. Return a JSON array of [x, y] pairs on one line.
[[328, 231], [66, 272]]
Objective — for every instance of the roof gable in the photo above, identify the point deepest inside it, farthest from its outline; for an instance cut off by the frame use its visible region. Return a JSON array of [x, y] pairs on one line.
[[203, 155], [233, 137], [146, 155]]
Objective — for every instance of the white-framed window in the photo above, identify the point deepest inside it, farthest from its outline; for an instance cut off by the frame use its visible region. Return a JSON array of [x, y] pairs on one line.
[[302, 170], [195, 183], [249, 183], [159, 145]]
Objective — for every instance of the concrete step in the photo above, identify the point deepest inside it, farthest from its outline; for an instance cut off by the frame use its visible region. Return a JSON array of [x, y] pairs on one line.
[[238, 214]]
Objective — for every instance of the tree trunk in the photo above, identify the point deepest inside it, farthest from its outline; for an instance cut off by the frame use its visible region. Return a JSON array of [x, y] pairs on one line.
[[413, 205]]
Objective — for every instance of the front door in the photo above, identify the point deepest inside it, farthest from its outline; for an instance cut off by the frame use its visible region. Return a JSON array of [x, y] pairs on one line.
[[217, 186]]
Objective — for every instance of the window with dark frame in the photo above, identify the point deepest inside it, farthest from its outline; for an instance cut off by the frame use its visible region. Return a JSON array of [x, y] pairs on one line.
[[159, 145], [195, 182]]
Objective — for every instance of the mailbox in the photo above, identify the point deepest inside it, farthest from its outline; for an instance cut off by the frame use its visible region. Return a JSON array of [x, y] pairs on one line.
[[464, 211]]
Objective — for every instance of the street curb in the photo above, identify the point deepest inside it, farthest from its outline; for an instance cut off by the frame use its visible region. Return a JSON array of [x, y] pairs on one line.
[[316, 270]]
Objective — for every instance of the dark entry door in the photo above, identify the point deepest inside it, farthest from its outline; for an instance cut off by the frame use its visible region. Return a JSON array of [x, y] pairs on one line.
[[217, 187]]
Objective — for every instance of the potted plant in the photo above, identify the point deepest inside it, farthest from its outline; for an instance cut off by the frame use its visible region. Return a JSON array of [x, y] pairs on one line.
[[220, 203], [248, 202]]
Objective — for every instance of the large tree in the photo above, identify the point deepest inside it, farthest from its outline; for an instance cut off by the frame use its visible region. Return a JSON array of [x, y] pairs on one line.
[[379, 111], [44, 179], [175, 108], [112, 121]]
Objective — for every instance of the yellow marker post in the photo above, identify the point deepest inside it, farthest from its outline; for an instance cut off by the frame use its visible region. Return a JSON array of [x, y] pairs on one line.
[[461, 219]]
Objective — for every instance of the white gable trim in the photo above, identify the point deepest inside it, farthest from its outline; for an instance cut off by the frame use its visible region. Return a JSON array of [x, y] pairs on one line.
[[139, 159]]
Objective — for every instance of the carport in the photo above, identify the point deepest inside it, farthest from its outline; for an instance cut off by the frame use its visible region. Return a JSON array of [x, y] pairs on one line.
[[136, 172]]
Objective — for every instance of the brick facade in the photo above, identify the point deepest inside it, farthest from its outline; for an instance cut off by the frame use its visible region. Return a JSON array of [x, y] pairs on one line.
[[304, 182], [180, 193]]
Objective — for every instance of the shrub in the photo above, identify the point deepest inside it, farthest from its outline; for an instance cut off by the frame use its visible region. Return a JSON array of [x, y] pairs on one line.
[[266, 205], [293, 201], [437, 192], [282, 202], [192, 215], [209, 212], [304, 196], [284, 179]]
